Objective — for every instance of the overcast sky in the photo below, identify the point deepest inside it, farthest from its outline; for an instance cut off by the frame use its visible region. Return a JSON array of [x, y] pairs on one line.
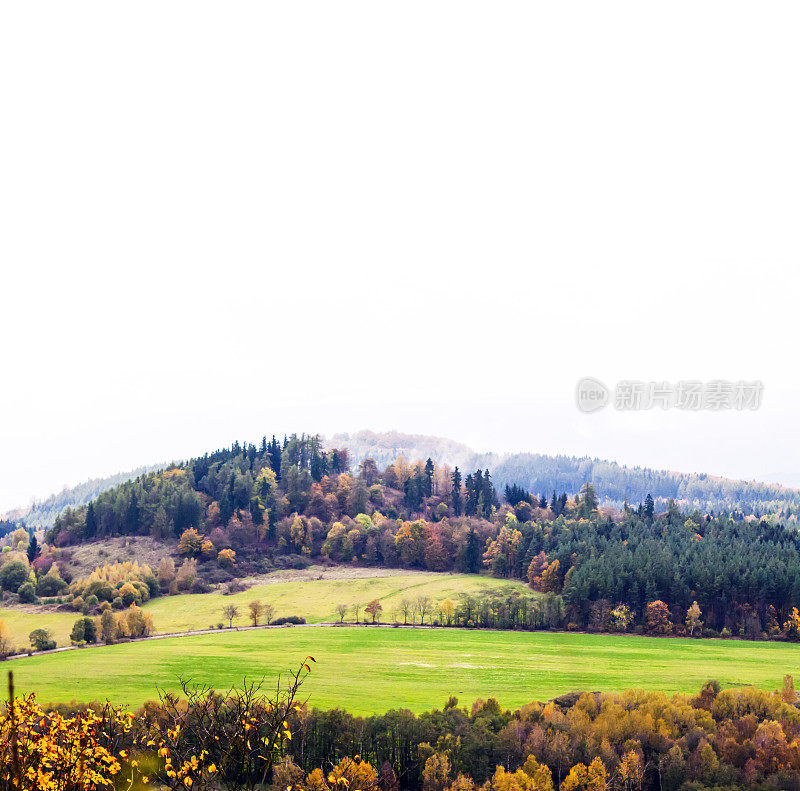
[[219, 220]]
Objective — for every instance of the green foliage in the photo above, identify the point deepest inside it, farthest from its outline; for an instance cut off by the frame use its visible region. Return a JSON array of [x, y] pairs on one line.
[[13, 574], [27, 593]]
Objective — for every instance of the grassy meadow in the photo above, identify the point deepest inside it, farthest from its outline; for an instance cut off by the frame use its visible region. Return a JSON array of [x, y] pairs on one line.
[[368, 670], [314, 600]]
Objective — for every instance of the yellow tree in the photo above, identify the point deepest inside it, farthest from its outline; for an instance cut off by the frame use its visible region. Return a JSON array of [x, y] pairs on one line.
[[6, 647], [501, 554], [792, 625], [436, 774], [448, 610], [693, 621], [191, 543]]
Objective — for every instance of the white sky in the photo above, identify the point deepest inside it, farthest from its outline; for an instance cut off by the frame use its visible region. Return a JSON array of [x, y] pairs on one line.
[[219, 220]]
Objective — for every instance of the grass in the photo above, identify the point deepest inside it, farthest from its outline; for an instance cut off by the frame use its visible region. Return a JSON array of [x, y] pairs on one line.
[[373, 670], [314, 600]]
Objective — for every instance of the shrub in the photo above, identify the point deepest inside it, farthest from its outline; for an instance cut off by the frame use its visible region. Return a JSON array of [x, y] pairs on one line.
[[129, 594], [117, 603], [226, 558], [290, 619], [13, 574], [50, 584], [84, 631], [27, 593], [41, 639]]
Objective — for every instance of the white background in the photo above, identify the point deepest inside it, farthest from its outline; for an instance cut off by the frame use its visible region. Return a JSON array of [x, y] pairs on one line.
[[219, 220]]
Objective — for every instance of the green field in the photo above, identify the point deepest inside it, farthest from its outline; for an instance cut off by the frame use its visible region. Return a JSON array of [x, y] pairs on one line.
[[314, 600], [366, 670]]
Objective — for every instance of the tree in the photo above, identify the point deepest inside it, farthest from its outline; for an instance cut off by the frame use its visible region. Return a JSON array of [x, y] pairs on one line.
[[423, 606], [342, 609], [455, 496], [42, 640], [267, 612], [374, 608], [448, 610], [33, 548], [191, 543], [108, 627], [84, 630], [226, 558], [536, 569], [166, 573], [472, 552], [12, 575], [693, 618], [551, 577], [589, 503], [230, 611], [436, 773], [649, 507], [657, 618], [406, 607], [256, 609], [621, 618], [6, 646], [356, 605], [792, 625]]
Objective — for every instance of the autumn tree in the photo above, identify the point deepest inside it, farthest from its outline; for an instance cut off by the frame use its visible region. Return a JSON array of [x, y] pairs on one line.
[[583, 778], [693, 621], [621, 618], [190, 543], [447, 609], [342, 609], [535, 570], [256, 610], [6, 646], [657, 618], [374, 608], [436, 773], [166, 573], [551, 577]]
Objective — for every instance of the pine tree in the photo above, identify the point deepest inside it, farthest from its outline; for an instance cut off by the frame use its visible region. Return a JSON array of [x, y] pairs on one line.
[[90, 525], [33, 548], [429, 477], [649, 507], [455, 497], [472, 553]]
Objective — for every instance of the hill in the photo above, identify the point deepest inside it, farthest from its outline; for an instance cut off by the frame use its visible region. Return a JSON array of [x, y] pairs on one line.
[[615, 483], [43, 513]]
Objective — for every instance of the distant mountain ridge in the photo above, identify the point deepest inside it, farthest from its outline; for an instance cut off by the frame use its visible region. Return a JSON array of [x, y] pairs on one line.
[[43, 513], [542, 474]]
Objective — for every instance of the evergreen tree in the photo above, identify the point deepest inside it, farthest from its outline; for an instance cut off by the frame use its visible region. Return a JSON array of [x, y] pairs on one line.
[[472, 553], [90, 525], [455, 497], [649, 507], [33, 548]]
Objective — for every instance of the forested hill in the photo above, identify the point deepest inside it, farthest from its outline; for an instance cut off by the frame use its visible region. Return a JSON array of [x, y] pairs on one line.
[[614, 482], [249, 509], [43, 513]]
